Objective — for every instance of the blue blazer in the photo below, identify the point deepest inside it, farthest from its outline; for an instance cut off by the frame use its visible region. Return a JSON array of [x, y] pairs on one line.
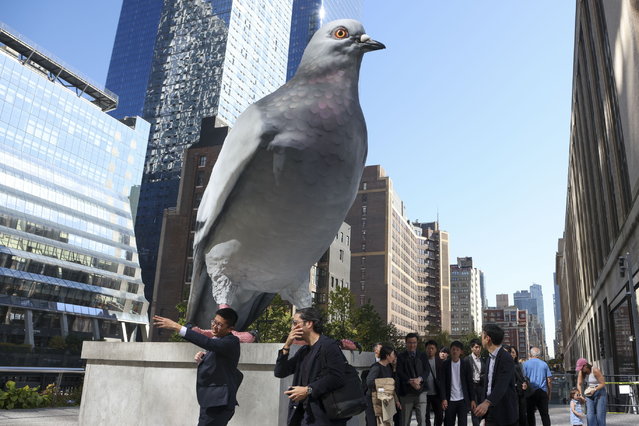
[[218, 378]]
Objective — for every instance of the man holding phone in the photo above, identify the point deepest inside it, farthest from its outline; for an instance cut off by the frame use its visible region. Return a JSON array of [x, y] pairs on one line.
[[317, 368]]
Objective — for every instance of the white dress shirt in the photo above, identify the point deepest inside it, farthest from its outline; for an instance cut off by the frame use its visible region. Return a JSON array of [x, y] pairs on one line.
[[491, 367]]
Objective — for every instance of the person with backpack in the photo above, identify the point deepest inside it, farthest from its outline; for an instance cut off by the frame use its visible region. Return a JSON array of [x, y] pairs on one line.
[[318, 368]]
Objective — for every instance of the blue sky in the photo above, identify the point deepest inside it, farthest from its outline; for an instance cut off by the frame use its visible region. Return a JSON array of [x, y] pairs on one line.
[[468, 111]]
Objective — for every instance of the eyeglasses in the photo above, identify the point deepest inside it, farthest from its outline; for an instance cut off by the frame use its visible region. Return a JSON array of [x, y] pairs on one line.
[[215, 324], [295, 322]]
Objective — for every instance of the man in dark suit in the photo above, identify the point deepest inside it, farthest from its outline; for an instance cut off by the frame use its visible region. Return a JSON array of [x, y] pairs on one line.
[[477, 365], [217, 375], [433, 384], [412, 373], [317, 368], [458, 396], [500, 407]]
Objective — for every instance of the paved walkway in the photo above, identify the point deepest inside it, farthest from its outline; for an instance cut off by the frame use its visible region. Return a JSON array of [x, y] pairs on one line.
[[559, 417], [69, 417]]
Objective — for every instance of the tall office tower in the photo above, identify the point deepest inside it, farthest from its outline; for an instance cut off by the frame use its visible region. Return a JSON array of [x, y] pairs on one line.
[[465, 298], [482, 289], [515, 323], [532, 300], [435, 274], [68, 261], [333, 269], [502, 300], [387, 256], [210, 58], [132, 55], [308, 16], [598, 297]]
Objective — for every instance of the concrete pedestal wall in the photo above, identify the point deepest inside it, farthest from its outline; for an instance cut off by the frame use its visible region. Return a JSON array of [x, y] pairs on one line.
[[154, 384]]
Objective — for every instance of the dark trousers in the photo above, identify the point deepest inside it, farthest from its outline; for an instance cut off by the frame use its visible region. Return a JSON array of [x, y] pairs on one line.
[[491, 420], [523, 413], [538, 401], [479, 391], [435, 403], [456, 410], [215, 416]]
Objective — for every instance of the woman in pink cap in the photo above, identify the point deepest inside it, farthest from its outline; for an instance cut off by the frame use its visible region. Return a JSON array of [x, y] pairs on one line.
[[595, 393]]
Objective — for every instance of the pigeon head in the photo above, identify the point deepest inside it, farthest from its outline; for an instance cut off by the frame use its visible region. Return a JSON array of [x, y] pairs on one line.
[[337, 45]]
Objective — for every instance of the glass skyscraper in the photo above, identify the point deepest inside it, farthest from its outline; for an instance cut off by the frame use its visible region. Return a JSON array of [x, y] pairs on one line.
[[132, 55], [68, 257], [532, 300]]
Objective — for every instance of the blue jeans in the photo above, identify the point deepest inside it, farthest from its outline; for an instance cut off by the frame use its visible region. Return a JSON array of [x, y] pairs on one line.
[[596, 407]]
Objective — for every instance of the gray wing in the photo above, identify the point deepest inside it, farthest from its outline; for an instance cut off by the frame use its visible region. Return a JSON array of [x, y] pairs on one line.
[[239, 148]]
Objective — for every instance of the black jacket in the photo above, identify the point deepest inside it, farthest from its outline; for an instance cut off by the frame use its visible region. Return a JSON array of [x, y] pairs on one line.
[[466, 378], [504, 402], [218, 378], [404, 372], [326, 375]]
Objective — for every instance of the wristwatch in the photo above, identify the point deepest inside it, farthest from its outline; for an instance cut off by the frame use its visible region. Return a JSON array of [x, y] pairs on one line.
[[309, 390]]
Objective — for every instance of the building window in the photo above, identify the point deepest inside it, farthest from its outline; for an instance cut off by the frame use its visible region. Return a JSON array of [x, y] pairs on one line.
[[202, 161], [197, 199], [342, 237], [363, 210], [364, 186], [362, 299], [348, 241], [199, 179]]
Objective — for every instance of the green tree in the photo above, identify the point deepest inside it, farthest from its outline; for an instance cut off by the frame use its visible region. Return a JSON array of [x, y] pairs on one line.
[[341, 307], [466, 338], [442, 337], [370, 328], [181, 308], [275, 322]]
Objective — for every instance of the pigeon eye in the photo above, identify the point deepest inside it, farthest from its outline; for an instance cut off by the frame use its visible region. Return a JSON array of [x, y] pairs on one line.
[[341, 33]]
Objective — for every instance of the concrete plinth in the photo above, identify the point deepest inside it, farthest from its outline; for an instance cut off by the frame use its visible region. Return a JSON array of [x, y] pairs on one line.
[[154, 384]]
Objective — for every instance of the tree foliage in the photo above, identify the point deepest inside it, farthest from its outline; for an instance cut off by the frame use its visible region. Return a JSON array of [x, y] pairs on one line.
[[275, 322]]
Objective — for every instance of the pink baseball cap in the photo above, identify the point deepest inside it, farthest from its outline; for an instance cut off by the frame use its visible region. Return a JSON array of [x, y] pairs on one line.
[[580, 364]]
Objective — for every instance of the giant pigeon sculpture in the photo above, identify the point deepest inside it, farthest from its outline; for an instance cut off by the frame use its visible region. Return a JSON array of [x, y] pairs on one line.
[[283, 183]]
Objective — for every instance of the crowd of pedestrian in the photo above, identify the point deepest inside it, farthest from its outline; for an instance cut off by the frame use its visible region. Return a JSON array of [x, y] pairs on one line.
[[497, 389]]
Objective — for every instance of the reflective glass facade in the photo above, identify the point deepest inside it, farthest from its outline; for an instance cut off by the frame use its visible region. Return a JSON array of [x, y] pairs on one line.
[[132, 55], [68, 257], [308, 16], [211, 58]]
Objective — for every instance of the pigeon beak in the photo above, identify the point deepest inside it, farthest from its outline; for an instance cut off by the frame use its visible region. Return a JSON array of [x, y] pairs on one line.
[[368, 44]]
